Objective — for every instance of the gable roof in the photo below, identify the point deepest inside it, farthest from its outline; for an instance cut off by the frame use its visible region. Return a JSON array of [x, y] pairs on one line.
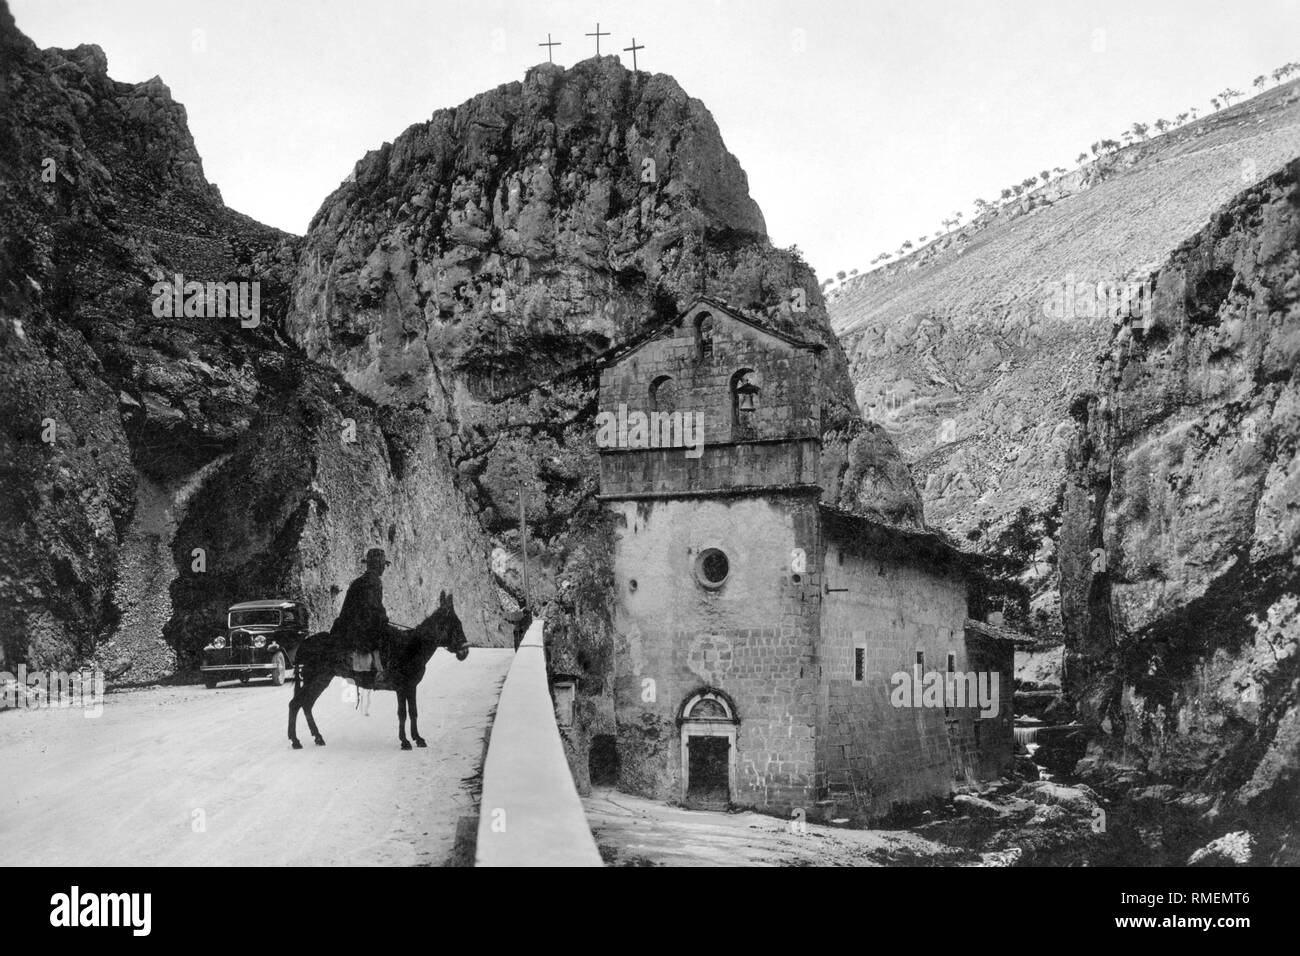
[[659, 329], [754, 323]]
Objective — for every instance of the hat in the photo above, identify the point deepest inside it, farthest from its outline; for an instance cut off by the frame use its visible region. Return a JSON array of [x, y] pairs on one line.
[[377, 556]]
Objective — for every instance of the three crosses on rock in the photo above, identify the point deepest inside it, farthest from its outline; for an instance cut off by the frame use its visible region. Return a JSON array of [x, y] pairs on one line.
[[597, 34]]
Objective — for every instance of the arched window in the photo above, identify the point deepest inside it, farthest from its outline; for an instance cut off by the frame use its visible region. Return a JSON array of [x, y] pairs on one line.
[[708, 704], [704, 335], [663, 394], [744, 398]]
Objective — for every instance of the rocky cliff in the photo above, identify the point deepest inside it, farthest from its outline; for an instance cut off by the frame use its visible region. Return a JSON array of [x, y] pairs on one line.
[[1180, 536], [963, 351], [423, 354], [477, 268], [131, 439]]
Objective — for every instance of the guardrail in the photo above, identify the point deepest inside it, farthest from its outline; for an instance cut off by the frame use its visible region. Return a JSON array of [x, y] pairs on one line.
[[530, 813]]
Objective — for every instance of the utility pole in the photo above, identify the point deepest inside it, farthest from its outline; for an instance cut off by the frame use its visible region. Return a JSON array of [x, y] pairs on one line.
[[523, 542]]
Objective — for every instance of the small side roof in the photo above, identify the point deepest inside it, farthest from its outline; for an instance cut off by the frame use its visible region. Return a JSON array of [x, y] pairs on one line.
[[998, 632], [919, 543]]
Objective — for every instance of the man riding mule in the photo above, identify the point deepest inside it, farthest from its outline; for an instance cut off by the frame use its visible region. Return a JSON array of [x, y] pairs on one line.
[[324, 656], [363, 622]]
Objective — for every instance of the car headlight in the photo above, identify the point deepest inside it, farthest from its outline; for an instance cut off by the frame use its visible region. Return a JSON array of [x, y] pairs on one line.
[[259, 640], [219, 642]]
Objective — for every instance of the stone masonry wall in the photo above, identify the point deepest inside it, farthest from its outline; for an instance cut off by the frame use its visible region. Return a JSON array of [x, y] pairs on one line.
[[730, 466], [894, 610], [753, 639], [789, 402]]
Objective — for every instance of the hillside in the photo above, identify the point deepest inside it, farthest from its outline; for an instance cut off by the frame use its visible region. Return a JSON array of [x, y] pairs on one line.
[[957, 331]]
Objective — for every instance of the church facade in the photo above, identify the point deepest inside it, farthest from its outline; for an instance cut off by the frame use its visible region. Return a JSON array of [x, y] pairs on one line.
[[763, 639]]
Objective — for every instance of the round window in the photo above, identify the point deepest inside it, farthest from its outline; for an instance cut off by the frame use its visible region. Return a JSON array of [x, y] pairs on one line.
[[712, 568]]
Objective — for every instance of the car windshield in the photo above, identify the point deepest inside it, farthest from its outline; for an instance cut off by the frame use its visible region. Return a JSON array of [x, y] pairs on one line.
[[260, 615]]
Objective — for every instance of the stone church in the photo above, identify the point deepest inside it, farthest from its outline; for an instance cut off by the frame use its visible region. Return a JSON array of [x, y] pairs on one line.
[[757, 630]]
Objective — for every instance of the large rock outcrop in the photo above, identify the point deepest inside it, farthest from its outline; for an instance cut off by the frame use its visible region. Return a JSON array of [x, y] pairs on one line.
[[1180, 537], [477, 267], [424, 354], [131, 439]]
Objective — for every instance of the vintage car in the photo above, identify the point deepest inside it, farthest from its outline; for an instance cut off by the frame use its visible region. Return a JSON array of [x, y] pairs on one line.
[[261, 640]]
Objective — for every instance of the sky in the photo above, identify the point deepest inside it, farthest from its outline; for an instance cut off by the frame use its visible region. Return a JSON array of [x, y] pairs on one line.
[[859, 124]]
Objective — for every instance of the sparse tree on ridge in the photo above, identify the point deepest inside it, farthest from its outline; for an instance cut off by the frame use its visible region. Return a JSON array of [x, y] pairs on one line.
[[1194, 111], [840, 275], [1260, 81], [1081, 158], [1215, 104], [1161, 125], [1180, 119], [1006, 194]]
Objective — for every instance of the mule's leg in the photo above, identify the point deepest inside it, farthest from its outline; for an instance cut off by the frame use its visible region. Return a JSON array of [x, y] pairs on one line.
[[311, 694], [294, 707], [401, 719], [415, 714]]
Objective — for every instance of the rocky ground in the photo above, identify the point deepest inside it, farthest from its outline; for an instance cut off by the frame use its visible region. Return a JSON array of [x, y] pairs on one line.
[[1012, 824]]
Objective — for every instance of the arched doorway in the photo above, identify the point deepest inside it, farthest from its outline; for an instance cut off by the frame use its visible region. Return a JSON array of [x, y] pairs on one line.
[[708, 728]]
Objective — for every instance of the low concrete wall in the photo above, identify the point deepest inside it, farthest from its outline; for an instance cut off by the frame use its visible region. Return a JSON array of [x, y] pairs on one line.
[[530, 813]]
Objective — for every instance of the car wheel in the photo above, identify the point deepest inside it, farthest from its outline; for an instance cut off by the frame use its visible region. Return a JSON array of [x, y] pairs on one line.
[[210, 681], [277, 675]]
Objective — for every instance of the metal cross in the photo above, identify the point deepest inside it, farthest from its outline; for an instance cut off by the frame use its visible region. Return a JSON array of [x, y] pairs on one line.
[[633, 48], [598, 35], [548, 44]]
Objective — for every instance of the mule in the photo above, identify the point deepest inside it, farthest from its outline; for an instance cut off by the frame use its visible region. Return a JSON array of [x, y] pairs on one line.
[[406, 655]]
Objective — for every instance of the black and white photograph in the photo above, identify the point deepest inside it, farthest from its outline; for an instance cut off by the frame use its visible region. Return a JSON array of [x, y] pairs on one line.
[[693, 434]]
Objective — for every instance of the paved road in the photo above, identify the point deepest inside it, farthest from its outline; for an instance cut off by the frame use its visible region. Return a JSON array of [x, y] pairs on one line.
[[196, 777]]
